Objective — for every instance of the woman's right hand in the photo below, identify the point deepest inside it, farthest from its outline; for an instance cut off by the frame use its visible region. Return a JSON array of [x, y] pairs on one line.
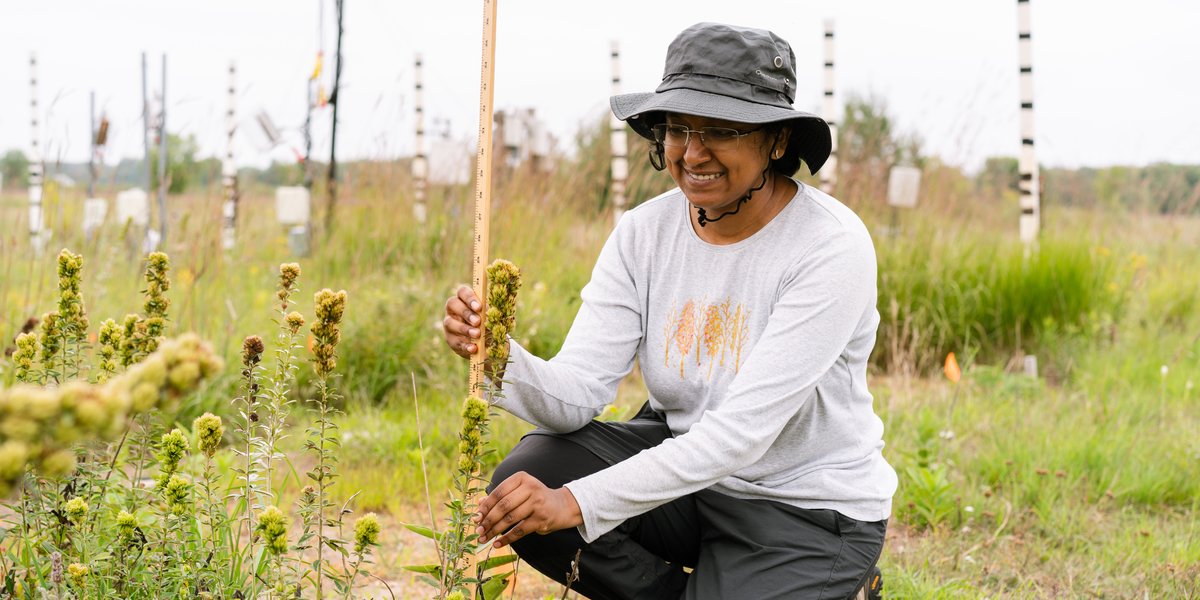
[[462, 323]]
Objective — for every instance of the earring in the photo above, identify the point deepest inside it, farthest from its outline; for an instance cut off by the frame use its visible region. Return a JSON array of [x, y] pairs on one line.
[[778, 155]]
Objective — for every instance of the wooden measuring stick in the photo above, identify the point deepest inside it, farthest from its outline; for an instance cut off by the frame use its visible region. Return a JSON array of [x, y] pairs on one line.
[[483, 209], [483, 191]]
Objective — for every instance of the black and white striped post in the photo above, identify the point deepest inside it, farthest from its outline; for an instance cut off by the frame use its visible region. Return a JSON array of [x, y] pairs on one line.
[[620, 162], [420, 164], [1031, 201], [36, 220], [229, 169], [162, 161], [828, 112]]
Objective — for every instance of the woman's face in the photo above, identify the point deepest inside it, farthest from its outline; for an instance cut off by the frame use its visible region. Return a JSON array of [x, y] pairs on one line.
[[715, 178]]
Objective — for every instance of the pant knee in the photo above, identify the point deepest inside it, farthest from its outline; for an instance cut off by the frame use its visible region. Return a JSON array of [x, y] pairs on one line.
[[552, 460]]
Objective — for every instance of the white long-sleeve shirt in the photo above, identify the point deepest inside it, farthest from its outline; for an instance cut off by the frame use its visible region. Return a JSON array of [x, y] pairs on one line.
[[755, 351]]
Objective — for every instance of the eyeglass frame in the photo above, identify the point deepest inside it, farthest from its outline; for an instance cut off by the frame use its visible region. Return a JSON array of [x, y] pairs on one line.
[[688, 137]]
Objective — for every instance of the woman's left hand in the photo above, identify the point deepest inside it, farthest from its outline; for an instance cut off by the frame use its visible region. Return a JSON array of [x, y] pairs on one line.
[[522, 505]]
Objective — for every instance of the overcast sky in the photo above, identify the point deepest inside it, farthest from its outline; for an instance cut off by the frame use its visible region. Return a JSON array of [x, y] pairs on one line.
[[1115, 82]]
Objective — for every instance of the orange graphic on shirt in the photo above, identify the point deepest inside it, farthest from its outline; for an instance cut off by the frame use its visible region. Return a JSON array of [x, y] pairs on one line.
[[713, 329]]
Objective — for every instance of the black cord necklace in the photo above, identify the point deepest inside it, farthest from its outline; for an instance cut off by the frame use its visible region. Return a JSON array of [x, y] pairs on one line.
[[703, 219]]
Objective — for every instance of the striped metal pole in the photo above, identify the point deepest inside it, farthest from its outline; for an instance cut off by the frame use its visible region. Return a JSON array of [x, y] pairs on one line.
[[146, 116], [36, 221], [92, 156], [229, 169], [420, 165], [828, 112], [1031, 201], [162, 158], [620, 162]]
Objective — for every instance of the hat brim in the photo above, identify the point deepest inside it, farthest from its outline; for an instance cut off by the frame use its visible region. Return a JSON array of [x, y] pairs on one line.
[[811, 129]]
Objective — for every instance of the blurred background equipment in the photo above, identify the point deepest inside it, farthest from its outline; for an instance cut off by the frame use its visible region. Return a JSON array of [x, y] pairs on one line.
[[293, 210], [904, 183]]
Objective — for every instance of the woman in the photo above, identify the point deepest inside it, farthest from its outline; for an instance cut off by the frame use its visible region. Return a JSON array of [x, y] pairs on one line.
[[749, 300]]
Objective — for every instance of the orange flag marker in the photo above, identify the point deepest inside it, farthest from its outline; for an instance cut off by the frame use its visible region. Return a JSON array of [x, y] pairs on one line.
[[952, 370]]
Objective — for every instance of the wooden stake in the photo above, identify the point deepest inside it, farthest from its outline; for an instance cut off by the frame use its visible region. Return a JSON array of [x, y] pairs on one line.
[[483, 190]]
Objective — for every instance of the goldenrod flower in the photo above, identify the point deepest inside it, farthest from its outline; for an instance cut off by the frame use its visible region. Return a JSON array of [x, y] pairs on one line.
[[125, 525], [273, 525], [76, 509], [294, 321], [176, 494], [171, 450], [27, 350], [329, 308], [366, 532], [288, 274], [504, 280], [39, 425], [209, 431], [50, 338], [110, 338], [78, 573], [474, 409], [70, 300]]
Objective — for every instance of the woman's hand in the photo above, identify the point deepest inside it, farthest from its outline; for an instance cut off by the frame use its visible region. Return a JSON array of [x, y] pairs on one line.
[[522, 505], [462, 323]]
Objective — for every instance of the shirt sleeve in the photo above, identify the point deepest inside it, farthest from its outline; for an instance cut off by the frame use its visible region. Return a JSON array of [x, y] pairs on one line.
[[566, 392], [818, 311]]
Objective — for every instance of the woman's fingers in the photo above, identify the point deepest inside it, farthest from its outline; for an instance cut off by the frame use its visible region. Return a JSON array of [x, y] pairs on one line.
[[461, 324], [512, 508], [471, 305]]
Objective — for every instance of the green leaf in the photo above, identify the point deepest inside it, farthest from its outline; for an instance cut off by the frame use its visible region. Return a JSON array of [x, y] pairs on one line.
[[493, 587], [432, 582], [430, 569], [498, 561], [422, 531]]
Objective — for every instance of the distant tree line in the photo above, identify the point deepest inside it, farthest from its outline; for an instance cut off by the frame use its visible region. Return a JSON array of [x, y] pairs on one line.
[[1161, 188]]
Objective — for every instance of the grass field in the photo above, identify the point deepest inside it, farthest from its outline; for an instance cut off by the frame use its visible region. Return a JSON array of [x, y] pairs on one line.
[[1084, 483]]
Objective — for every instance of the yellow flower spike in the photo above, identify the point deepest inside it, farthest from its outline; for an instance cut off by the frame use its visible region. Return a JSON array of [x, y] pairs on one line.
[[366, 532], [209, 432]]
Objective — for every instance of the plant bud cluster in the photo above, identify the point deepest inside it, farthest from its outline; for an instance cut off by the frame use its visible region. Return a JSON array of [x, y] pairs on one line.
[[209, 432], [470, 445], [273, 526], [504, 280], [288, 274], [366, 532], [70, 299], [39, 425], [27, 350], [329, 306], [110, 338]]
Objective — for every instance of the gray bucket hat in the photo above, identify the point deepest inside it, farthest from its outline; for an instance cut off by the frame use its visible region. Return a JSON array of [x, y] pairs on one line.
[[731, 73]]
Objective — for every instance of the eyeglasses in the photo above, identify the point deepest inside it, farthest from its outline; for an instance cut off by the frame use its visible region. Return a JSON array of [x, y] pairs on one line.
[[713, 138]]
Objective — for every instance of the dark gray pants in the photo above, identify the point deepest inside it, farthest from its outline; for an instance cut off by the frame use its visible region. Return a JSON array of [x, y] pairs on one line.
[[736, 548]]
